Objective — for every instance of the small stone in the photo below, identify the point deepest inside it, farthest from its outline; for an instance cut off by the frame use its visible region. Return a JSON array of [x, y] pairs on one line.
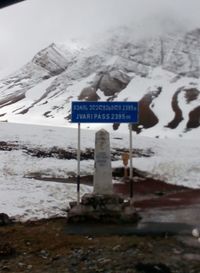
[[6, 250], [73, 261], [159, 193], [177, 251], [103, 261], [117, 247], [44, 254], [21, 264], [195, 232], [55, 258], [191, 256], [5, 268], [150, 267], [29, 267]]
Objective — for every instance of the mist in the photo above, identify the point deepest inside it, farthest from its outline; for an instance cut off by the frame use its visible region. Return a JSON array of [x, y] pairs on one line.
[[29, 26]]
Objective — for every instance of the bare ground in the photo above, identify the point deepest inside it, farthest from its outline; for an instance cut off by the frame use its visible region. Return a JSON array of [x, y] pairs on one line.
[[44, 246]]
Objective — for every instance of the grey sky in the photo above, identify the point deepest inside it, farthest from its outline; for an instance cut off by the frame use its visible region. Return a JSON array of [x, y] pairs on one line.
[[27, 27]]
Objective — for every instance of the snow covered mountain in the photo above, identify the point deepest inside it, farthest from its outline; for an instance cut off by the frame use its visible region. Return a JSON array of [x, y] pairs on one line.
[[162, 72]]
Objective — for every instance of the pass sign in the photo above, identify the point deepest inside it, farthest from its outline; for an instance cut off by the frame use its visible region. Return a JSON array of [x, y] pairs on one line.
[[104, 112]]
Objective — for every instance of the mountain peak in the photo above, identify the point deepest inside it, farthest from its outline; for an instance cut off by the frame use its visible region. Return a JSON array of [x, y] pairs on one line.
[[153, 70]]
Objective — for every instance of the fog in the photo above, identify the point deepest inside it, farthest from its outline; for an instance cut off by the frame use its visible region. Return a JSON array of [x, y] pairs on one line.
[[29, 26]]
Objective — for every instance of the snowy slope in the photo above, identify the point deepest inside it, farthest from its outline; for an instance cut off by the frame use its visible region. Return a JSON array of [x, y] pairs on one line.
[[25, 198], [161, 72]]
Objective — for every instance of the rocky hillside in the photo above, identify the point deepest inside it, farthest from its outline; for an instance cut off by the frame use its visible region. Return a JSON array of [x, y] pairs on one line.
[[161, 72]]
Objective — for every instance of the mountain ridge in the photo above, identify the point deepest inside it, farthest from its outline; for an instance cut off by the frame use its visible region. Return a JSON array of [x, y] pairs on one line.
[[104, 71]]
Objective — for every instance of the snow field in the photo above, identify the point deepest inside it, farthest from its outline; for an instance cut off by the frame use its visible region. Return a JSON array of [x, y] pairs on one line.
[[176, 161]]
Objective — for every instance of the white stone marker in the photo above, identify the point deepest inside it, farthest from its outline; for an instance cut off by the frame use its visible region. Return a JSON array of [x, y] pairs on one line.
[[102, 159]]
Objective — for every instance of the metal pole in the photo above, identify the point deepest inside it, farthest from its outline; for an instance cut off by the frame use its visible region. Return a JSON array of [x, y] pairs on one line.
[[131, 152], [131, 160], [78, 163]]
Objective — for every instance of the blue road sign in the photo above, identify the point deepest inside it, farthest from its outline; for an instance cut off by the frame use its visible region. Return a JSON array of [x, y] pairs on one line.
[[104, 112]]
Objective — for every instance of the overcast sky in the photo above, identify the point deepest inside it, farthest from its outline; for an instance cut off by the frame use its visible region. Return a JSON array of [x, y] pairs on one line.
[[29, 26]]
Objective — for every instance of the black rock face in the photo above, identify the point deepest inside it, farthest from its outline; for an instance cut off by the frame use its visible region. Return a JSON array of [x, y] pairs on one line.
[[152, 268], [4, 219]]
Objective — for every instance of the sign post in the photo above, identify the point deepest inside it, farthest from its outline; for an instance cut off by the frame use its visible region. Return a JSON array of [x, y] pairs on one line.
[[125, 158], [78, 163], [131, 160], [104, 112]]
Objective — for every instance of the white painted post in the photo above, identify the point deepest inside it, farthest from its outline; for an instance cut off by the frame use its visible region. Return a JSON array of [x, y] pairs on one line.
[[103, 170], [78, 163]]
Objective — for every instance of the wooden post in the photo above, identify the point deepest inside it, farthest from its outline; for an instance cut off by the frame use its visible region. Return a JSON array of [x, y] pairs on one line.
[[125, 158]]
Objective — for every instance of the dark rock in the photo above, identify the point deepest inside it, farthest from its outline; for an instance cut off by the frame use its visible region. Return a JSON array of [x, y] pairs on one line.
[[178, 115], [147, 118], [113, 82], [108, 208], [44, 254], [100, 200], [6, 250], [152, 268], [52, 59], [88, 93], [194, 118], [191, 94], [5, 269], [159, 193], [4, 219], [3, 143], [72, 204]]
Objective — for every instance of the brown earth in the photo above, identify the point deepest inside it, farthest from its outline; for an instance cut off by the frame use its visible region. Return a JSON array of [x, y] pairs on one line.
[[44, 246], [151, 193]]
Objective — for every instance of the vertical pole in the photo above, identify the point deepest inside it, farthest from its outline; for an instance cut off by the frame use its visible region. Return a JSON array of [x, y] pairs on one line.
[[78, 163], [125, 172], [131, 160]]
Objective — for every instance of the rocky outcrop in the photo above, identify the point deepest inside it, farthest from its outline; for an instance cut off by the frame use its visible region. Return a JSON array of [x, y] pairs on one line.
[[88, 93], [108, 208], [104, 71], [178, 116], [4, 219], [147, 118], [113, 82], [180, 54], [194, 118], [175, 52], [53, 59], [191, 94], [109, 82]]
